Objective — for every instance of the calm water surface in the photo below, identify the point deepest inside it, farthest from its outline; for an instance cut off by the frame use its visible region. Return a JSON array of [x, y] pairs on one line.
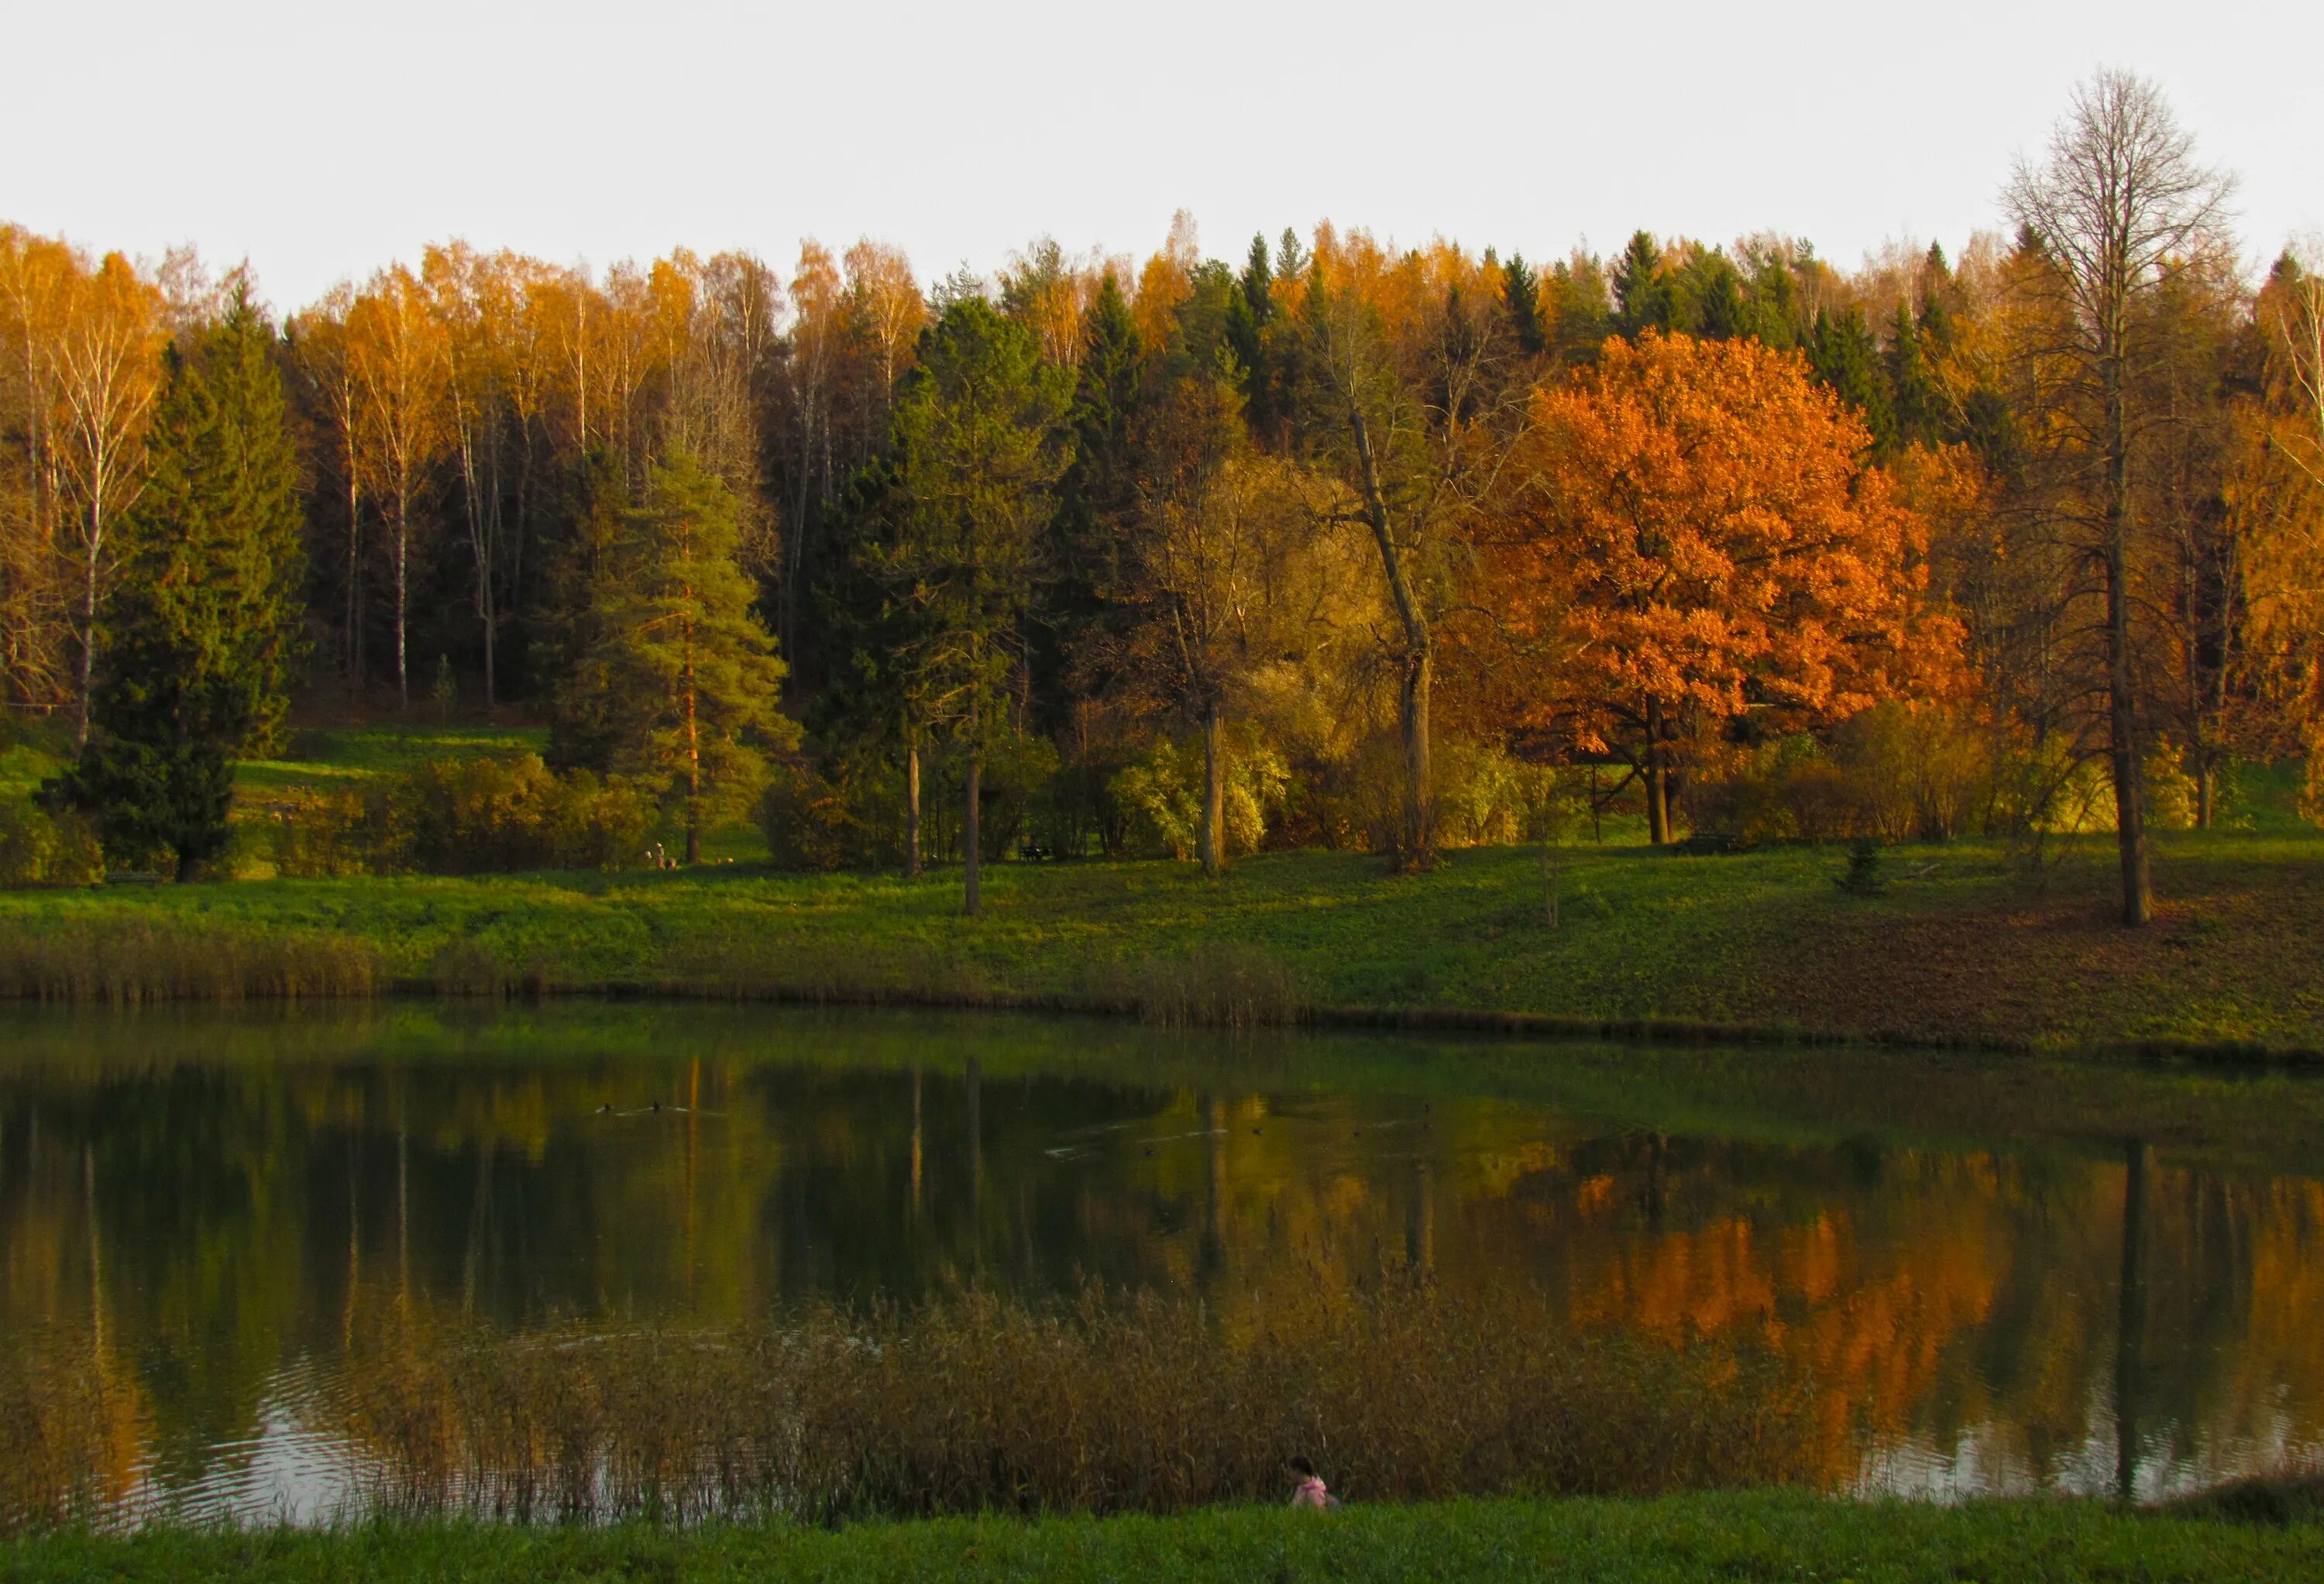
[[1994, 1292]]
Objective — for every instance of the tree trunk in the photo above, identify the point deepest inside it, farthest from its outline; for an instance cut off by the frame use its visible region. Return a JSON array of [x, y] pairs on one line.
[[1549, 882], [1659, 830], [2122, 704], [1419, 839], [912, 810], [88, 635], [2130, 1320], [974, 899], [2205, 780], [1419, 800], [1214, 774], [403, 549], [693, 750]]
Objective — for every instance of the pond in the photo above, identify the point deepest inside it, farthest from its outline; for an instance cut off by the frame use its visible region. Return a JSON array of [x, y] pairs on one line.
[[1988, 1276]]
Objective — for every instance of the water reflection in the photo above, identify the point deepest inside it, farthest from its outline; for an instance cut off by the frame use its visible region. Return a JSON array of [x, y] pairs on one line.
[[211, 1213]]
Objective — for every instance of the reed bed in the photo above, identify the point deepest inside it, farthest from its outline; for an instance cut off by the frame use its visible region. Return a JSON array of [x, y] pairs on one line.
[[1149, 1403], [969, 1403], [1225, 986], [128, 962]]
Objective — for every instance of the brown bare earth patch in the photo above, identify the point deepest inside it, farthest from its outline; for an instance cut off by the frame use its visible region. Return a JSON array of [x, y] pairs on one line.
[[2056, 965]]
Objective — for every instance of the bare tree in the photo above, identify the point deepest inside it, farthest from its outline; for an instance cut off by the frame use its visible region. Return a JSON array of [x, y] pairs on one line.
[[105, 371], [398, 356], [2120, 205]]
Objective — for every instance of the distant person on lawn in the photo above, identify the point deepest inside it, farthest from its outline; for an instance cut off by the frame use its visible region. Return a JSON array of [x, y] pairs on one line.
[[1310, 1492]]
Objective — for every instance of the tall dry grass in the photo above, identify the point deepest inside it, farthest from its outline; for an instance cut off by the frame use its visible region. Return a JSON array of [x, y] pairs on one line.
[[127, 961], [1224, 986], [1145, 1403]]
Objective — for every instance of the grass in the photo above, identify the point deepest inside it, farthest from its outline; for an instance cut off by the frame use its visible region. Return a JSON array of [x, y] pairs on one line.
[[1957, 949], [1705, 1537], [1961, 944]]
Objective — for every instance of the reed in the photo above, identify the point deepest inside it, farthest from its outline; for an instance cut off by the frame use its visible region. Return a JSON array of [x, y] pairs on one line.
[[126, 960], [1103, 1404], [1231, 985]]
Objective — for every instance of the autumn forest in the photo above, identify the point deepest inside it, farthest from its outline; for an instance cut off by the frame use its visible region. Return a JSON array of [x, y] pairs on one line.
[[1338, 542]]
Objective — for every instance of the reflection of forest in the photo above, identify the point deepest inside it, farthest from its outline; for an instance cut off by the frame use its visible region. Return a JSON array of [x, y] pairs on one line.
[[206, 1229]]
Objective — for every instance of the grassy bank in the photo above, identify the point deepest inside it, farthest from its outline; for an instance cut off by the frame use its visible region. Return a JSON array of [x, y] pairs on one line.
[[1961, 946], [1684, 1538], [1961, 942]]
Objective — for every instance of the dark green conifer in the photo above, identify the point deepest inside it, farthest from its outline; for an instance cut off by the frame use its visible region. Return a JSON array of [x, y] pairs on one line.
[[1846, 358], [1642, 294], [201, 631], [1521, 295]]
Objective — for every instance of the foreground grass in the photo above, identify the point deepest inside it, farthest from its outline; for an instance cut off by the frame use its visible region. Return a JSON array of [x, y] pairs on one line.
[[1959, 947], [1685, 1538]]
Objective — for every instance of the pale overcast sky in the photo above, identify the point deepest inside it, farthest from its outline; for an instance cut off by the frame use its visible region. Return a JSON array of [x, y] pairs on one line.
[[320, 140]]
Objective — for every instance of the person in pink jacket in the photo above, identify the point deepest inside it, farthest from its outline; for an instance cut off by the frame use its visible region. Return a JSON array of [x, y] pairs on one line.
[[1310, 1491]]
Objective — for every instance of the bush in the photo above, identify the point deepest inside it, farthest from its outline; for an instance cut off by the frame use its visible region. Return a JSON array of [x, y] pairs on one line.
[[815, 819], [1163, 795], [482, 816], [492, 816], [41, 849], [325, 835], [1784, 790]]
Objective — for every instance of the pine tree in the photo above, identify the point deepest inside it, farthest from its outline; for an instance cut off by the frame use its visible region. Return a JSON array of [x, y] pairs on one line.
[[581, 724], [690, 672], [1521, 296], [1719, 314], [980, 439], [1094, 498], [201, 631], [1846, 358], [1918, 406], [1642, 294]]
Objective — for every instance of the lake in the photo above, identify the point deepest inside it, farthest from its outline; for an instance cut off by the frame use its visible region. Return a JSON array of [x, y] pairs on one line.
[[1993, 1274]]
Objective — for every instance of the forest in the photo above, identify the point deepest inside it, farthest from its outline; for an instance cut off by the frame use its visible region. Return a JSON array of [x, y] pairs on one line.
[[1340, 543]]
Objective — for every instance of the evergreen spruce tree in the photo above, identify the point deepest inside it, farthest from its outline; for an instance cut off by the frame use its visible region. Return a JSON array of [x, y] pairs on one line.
[[980, 439], [1521, 296], [690, 674], [1719, 313], [1919, 412], [583, 727], [1094, 498], [1846, 358], [202, 629], [1642, 294]]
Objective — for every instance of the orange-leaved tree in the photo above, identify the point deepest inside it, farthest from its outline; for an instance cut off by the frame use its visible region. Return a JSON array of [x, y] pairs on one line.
[[1695, 535]]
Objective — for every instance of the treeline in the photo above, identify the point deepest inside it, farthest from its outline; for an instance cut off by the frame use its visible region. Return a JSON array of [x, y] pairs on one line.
[[1338, 543]]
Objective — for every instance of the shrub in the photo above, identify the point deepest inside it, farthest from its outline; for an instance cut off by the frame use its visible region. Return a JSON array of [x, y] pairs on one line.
[[839, 816], [325, 836], [492, 816], [41, 849], [1917, 772], [1163, 793], [482, 816]]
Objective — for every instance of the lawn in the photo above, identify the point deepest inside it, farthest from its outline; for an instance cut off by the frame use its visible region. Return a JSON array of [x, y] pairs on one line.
[[1964, 941], [1724, 1536]]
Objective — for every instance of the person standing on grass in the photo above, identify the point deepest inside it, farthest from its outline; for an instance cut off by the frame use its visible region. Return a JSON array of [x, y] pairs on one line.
[[1310, 1491]]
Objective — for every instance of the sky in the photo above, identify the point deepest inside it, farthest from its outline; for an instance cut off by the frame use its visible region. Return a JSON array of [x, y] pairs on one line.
[[319, 140]]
